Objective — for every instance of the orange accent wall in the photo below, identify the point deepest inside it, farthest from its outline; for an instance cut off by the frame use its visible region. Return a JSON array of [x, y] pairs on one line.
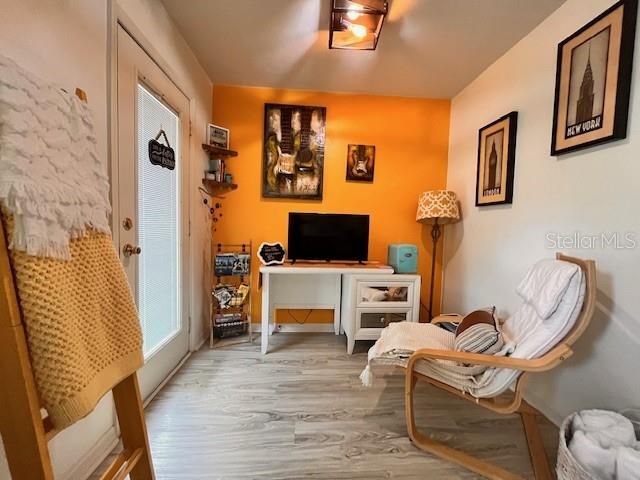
[[411, 136]]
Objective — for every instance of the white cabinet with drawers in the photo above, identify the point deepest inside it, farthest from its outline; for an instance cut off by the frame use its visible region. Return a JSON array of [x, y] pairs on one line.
[[371, 302]]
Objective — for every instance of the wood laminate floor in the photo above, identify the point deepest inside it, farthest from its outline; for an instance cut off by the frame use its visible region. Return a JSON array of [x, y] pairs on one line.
[[301, 412]]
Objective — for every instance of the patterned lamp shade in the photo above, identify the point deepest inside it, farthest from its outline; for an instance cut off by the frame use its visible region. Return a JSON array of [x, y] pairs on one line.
[[438, 204]]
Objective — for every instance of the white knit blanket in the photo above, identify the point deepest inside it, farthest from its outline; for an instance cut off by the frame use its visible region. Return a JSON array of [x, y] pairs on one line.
[[399, 340], [51, 178]]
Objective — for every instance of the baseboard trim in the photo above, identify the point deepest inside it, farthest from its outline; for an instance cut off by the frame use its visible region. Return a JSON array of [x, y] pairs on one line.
[[157, 390], [88, 464], [200, 344], [298, 328]]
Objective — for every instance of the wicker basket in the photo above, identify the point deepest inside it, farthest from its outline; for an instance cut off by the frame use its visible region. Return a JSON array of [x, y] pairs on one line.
[[633, 414], [231, 329], [568, 467]]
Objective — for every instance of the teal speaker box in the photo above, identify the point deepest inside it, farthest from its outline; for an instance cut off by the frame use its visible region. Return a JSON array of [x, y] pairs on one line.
[[403, 257]]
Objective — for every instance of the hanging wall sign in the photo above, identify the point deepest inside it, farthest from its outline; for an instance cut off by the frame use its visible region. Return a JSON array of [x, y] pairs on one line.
[[162, 155], [271, 253]]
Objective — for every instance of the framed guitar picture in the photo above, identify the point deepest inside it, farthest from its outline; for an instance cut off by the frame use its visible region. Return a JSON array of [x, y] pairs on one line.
[[360, 162], [293, 151], [593, 81]]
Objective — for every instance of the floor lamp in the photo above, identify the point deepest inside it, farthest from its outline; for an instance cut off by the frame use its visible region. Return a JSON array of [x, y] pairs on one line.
[[436, 207]]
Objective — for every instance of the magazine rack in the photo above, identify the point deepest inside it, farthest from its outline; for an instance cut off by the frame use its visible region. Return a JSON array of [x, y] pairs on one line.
[[230, 305]]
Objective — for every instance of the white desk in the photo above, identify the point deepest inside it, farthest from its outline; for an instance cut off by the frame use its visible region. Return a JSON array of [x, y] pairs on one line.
[[306, 285]]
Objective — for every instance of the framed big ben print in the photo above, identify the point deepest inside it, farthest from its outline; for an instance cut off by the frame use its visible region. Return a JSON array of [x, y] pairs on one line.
[[496, 161]]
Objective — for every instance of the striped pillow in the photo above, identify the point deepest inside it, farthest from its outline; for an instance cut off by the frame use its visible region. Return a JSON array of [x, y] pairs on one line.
[[478, 333]]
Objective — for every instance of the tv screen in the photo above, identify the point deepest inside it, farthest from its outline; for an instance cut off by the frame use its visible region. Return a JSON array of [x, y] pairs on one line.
[[328, 236]]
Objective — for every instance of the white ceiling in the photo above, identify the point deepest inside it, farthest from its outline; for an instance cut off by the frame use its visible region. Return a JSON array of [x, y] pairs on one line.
[[428, 48]]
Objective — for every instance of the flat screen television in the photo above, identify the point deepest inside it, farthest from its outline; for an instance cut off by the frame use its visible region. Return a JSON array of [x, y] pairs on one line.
[[328, 236]]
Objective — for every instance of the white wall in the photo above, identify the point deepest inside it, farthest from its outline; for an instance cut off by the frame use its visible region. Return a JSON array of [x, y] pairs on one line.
[[592, 191], [66, 41]]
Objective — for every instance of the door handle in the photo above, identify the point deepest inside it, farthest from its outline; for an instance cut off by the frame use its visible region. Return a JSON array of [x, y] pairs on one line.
[[129, 250]]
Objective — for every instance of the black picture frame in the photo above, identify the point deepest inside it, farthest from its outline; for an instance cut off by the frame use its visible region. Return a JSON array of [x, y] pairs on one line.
[[509, 124], [611, 123], [318, 157]]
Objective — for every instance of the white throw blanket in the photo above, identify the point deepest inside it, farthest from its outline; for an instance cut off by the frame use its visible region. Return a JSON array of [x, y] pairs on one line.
[[51, 178], [399, 340], [604, 443]]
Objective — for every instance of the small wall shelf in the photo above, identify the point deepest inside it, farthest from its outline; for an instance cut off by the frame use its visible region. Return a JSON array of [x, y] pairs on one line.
[[218, 155], [218, 152], [215, 188]]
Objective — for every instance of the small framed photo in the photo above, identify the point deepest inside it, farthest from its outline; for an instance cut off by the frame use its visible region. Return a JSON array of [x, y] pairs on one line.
[[593, 81], [496, 161], [218, 136], [360, 162]]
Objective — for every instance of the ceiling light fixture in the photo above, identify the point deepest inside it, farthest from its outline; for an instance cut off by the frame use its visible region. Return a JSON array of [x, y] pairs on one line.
[[356, 24], [359, 31]]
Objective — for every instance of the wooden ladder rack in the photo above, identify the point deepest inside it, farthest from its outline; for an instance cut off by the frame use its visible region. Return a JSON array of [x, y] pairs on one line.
[[24, 432]]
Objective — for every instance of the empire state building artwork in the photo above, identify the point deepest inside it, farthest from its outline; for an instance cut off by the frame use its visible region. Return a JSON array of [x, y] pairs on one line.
[[584, 110], [587, 85], [593, 80]]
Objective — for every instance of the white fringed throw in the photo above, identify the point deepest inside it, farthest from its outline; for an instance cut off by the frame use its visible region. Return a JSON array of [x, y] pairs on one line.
[[399, 340], [51, 178]]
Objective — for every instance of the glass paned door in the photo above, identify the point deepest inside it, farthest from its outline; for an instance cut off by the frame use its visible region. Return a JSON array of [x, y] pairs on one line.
[[151, 207], [158, 225]]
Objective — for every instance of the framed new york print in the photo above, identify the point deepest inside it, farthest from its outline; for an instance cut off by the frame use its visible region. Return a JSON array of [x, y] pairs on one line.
[[593, 81], [496, 161]]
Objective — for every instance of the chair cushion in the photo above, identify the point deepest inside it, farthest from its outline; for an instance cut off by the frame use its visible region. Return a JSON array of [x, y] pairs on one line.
[[532, 336], [545, 284]]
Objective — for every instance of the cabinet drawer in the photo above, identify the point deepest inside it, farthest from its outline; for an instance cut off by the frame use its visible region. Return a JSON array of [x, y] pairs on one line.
[[382, 319], [384, 294]]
